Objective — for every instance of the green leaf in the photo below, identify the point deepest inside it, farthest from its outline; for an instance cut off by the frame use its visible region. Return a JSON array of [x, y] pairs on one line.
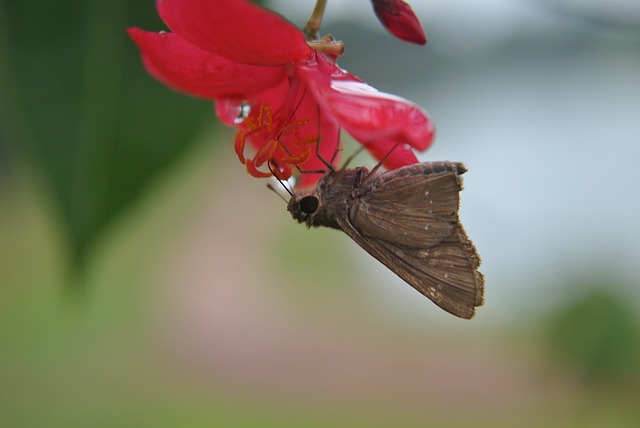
[[77, 103], [596, 336]]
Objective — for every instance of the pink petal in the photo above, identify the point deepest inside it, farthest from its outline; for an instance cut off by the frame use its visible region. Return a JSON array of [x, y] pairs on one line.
[[373, 118], [398, 18], [184, 67], [236, 29]]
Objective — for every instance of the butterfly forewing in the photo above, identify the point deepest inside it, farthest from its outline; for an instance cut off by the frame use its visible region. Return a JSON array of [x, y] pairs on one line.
[[418, 211]]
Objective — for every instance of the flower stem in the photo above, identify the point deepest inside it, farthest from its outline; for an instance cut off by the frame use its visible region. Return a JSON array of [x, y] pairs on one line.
[[312, 29]]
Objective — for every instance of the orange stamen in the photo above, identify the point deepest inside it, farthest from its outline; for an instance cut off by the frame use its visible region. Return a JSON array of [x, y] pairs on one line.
[[282, 174], [239, 143], [302, 157], [251, 169], [272, 132], [266, 152], [264, 118]]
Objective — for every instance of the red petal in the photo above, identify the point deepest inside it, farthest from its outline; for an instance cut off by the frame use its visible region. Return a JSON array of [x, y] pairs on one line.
[[373, 118], [398, 18], [235, 29], [231, 110], [184, 67]]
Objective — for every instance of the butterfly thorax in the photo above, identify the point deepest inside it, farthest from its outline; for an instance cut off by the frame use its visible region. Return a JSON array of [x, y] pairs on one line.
[[329, 200]]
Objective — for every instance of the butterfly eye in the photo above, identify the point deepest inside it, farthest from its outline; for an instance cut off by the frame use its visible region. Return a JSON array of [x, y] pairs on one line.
[[309, 204]]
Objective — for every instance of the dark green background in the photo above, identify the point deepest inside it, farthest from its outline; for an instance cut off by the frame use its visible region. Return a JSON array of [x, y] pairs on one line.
[[77, 105]]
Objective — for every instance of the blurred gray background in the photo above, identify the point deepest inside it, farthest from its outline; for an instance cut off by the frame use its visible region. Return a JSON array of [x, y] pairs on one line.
[[541, 100]]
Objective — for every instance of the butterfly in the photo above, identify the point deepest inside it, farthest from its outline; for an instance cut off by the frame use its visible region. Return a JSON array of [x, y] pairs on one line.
[[407, 218]]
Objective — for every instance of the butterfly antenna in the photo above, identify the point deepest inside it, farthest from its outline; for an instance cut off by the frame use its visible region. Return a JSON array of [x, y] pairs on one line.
[[279, 181], [270, 186], [379, 164], [352, 157]]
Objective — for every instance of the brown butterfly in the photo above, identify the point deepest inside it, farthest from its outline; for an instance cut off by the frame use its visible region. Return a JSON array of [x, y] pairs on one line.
[[407, 218]]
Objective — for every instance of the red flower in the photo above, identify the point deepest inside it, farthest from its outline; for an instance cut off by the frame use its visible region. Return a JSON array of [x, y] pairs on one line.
[[287, 99]]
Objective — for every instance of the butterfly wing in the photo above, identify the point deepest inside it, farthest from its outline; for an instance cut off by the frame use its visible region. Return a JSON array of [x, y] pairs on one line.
[[408, 220], [416, 205]]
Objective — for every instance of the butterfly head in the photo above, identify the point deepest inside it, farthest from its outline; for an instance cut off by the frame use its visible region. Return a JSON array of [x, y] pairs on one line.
[[316, 207], [328, 201], [305, 207]]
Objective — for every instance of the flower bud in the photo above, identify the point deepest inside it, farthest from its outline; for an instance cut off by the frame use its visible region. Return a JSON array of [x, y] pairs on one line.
[[398, 18]]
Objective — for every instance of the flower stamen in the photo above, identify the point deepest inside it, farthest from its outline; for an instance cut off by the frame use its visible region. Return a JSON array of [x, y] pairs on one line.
[[297, 159], [252, 170], [284, 143], [266, 152]]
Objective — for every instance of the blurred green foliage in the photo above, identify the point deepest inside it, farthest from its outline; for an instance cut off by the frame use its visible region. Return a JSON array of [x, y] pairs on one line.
[[120, 358], [77, 104], [597, 337]]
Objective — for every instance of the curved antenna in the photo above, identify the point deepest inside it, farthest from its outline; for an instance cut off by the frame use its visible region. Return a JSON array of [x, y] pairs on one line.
[[379, 164], [279, 181], [270, 187], [353, 155]]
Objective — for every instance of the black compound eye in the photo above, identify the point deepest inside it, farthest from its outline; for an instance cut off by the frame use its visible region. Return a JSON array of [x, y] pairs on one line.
[[309, 204]]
